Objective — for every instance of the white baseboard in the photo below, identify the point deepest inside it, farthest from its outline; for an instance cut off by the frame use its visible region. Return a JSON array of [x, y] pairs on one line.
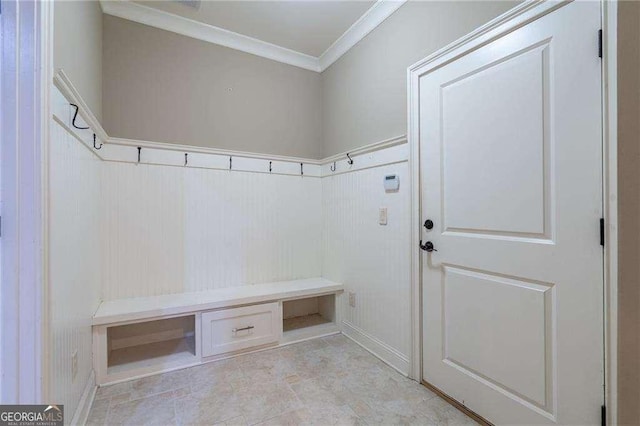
[[81, 415], [380, 349]]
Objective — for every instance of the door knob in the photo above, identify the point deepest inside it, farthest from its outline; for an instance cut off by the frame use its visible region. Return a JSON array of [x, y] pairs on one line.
[[428, 246]]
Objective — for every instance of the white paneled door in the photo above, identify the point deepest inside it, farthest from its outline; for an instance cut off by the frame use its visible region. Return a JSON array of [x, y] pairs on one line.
[[511, 166]]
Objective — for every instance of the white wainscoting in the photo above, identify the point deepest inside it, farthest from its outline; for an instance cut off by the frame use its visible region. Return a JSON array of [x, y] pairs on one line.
[[176, 229], [75, 262], [372, 260], [168, 228]]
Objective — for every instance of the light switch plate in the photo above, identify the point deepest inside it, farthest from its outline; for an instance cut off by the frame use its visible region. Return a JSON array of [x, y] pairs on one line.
[[382, 217]]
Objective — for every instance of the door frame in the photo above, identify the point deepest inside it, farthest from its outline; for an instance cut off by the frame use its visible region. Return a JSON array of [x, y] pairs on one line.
[[512, 19], [26, 78]]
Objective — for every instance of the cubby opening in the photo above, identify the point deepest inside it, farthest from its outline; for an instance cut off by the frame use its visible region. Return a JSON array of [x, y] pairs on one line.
[[152, 343], [308, 317]]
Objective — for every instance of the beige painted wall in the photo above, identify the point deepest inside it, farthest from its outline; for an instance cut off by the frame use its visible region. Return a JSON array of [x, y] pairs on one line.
[[77, 44], [365, 91], [164, 87], [629, 212]]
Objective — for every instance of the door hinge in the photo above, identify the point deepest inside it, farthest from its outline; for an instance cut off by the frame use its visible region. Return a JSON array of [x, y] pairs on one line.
[[603, 415], [602, 232], [600, 43]]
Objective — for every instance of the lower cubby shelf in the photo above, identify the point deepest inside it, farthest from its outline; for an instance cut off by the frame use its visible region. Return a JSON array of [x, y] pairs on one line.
[[167, 352], [308, 318], [311, 320], [151, 345]]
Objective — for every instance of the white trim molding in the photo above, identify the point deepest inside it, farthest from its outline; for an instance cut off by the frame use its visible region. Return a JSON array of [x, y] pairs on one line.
[[386, 353], [153, 17], [610, 187], [81, 415], [205, 32], [170, 154], [27, 32], [390, 151], [373, 17]]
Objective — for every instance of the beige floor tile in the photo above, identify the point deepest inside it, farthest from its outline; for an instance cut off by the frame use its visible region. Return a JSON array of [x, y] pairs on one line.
[[303, 347], [322, 392], [331, 416], [265, 366], [209, 406], [266, 400], [154, 410], [226, 371], [106, 392], [290, 418], [328, 381], [98, 412], [159, 383], [236, 421]]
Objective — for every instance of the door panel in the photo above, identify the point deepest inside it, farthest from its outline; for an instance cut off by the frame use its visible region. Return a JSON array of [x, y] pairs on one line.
[[510, 164], [515, 340], [499, 168]]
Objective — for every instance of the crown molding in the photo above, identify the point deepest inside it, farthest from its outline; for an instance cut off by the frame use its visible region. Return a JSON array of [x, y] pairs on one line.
[[146, 15], [209, 33], [373, 17]]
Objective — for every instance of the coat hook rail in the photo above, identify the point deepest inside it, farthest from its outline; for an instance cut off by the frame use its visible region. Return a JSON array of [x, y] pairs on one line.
[[333, 168], [94, 143], [75, 114], [350, 160], [139, 149]]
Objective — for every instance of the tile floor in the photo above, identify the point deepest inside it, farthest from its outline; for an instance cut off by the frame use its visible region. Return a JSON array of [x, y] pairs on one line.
[[328, 381]]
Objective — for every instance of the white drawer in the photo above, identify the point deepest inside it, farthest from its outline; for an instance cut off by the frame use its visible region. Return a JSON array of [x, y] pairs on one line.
[[234, 329]]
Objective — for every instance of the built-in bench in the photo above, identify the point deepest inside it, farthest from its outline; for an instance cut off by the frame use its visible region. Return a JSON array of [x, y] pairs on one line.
[[146, 335]]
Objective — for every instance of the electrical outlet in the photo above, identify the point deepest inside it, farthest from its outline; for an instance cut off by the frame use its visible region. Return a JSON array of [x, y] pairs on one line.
[[352, 299], [382, 216], [74, 365]]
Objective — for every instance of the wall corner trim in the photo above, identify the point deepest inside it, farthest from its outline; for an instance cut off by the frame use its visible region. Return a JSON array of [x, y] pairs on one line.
[[373, 17]]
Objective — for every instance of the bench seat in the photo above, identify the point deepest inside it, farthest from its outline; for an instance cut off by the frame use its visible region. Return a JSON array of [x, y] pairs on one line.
[[138, 308]]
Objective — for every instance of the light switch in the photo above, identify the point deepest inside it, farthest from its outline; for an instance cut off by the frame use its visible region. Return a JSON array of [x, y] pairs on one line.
[[382, 219]]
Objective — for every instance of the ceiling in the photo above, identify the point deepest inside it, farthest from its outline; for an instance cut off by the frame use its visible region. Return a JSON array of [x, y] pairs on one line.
[[307, 26], [310, 34]]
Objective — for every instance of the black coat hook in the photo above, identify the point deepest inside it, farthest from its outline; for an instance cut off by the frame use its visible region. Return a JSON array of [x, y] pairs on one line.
[[75, 114], [350, 160], [270, 166], [301, 169], [333, 168], [230, 162], [185, 159], [94, 143], [139, 149]]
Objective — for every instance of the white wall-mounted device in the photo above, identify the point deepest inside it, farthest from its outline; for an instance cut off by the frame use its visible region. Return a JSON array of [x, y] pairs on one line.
[[391, 183]]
